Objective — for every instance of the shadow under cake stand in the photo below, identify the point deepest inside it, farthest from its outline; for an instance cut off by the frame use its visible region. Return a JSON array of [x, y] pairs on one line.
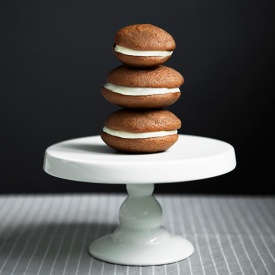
[[140, 239]]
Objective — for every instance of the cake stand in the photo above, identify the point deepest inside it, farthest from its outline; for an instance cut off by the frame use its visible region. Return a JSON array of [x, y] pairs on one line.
[[140, 239]]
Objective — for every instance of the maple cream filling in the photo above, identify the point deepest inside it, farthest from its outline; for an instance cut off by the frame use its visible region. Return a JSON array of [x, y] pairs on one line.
[[124, 134], [127, 51], [139, 91]]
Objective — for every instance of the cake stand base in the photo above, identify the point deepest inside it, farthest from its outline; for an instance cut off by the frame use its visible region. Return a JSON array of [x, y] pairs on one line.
[[140, 238]]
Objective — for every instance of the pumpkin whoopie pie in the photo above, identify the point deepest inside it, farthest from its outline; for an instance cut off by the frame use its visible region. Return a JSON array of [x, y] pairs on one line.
[[143, 45], [152, 87], [141, 131]]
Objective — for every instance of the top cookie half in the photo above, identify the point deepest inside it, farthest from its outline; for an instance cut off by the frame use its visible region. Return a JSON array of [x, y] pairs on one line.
[[143, 45]]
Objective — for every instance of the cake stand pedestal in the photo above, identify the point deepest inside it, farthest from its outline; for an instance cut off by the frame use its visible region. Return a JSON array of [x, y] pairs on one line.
[[140, 239]]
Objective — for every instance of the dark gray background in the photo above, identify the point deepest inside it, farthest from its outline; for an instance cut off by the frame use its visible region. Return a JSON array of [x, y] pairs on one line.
[[56, 54]]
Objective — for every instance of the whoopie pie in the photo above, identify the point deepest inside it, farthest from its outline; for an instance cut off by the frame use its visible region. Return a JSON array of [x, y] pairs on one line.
[[141, 131], [132, 87], [143, 45]]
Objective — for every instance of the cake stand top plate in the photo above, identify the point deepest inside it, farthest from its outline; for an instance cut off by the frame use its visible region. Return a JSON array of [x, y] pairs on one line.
[[89, 159]]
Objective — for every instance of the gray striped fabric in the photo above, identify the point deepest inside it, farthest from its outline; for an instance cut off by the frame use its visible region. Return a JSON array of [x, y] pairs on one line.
[[50, 234]]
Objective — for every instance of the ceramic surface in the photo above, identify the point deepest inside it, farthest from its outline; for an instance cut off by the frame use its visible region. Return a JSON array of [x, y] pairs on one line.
[[140, 238], [88, 159]]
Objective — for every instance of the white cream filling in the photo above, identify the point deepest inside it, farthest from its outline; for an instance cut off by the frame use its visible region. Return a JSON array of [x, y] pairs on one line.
[[137, 91], [127, 51], [124, 134]]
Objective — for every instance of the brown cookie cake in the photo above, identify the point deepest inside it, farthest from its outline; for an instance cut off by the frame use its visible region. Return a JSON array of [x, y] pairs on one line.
[[153, 87], [143, 45], [141, 131]]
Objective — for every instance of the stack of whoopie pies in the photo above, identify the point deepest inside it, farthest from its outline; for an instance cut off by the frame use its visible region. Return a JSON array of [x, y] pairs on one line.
[[142, 86]]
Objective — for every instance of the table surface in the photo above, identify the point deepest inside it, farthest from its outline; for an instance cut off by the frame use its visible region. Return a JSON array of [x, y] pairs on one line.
[[89, 159], [50, 234]]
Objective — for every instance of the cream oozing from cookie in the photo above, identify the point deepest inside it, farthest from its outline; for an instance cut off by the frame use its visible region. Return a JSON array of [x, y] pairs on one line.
[[128, 51], [139, 91], [124, 134]]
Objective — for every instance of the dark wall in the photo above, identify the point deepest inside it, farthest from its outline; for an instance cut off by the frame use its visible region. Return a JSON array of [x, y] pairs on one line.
[[56, 54]]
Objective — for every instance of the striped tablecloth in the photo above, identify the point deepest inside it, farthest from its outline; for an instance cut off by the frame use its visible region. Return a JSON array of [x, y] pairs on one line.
[[50, 234]]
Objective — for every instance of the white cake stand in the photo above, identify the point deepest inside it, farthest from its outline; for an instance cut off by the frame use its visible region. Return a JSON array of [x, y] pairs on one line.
[[140, 239]]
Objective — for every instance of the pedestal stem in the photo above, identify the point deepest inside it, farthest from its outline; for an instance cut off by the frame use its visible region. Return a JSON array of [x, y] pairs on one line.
[[140, 211]]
